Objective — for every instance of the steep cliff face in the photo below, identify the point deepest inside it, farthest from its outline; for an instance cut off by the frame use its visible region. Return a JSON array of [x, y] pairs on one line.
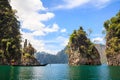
[[112, 27], [81, 51], [101, 50], [10, 36]]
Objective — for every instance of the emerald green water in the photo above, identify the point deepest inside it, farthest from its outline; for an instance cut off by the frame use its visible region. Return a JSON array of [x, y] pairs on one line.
[[60, 72]]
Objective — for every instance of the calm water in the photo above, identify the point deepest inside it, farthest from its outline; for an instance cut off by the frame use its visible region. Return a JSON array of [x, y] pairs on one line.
[[60, 72]]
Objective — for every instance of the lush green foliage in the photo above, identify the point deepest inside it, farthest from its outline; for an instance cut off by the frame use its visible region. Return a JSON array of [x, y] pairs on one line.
[[112, 27], [28, 49], [79, 42], [10, 37], [28, 54]]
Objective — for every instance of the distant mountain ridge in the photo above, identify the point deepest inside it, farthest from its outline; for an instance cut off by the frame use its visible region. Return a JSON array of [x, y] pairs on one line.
[[60, 57]]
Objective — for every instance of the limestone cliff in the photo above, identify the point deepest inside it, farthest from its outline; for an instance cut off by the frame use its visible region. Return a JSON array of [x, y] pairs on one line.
[[81, 51], [112, 27], [10, 36], [101, 50]]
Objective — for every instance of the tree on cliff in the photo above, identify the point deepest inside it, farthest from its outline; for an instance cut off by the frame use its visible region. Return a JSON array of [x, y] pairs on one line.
[[10, 36], [112, 27], [79, 41], [28, 54], [28, 48], [80, 47]]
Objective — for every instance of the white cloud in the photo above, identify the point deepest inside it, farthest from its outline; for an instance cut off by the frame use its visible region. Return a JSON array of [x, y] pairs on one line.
[[63, 30], [100, 3], [54, 28], [31, 19], [27, 11], [56, 44], [38, 44], [47, 16], [41, 45], [98, 40], [62, 40], [44, 31], [69, 4], [72, 3]]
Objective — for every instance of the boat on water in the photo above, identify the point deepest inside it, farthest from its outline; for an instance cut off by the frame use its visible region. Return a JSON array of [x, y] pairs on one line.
[[32, 65]]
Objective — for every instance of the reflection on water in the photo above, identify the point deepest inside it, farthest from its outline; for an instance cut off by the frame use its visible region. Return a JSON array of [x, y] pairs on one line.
[[4, 72], [114, 72], [8, 73], [50, 72], [12, 73], [25, 73], [60, 72], [104, 72], [89, 73]]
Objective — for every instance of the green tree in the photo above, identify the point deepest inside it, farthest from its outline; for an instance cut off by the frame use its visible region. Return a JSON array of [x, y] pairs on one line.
[[28, 48], [25, 43], [112, 27], [31, 49], [10, 36], [80, 47], [80, 42]]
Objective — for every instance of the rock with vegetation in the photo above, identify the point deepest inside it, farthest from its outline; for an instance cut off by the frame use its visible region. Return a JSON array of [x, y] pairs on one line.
[[80, 50], [112, 27], [28, 55], [10, 36], [10, 39]]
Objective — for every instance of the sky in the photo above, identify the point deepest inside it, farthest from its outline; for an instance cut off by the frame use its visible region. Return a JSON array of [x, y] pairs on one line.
[[47, 24]]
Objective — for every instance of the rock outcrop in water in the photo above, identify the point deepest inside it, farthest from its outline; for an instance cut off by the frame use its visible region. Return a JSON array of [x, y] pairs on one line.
[[81, 51], [112, 27], [28, 55]]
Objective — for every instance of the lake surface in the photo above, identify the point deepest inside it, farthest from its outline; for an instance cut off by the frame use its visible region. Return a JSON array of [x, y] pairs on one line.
[[60, 72]]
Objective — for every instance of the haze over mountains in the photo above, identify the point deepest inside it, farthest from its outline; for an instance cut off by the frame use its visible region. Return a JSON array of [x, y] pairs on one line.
[[60, 57]]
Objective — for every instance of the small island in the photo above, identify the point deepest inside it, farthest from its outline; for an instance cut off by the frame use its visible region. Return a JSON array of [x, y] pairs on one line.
[[27, 57], [81, 50]]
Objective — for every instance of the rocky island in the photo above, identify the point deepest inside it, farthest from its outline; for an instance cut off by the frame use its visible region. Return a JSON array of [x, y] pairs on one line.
[[81, 51], [112, 27], [27, 57]]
